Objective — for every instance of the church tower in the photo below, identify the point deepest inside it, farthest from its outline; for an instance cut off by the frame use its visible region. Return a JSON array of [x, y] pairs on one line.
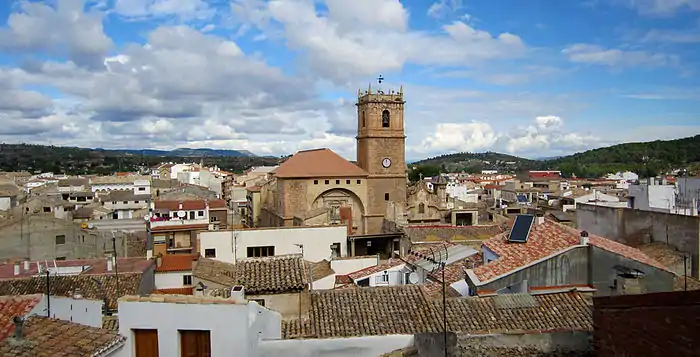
[[381, 151]]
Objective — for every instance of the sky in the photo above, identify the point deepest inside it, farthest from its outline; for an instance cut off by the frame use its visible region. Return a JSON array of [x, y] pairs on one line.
[[533, 78]]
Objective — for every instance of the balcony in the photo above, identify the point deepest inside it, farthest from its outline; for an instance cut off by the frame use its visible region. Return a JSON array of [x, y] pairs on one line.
[[179, 222]]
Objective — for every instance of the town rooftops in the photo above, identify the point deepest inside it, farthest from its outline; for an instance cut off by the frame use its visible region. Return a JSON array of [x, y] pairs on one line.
[[546, 239], [43, 336], [11, 306], [408, 310], [119, 179], [187, 205], [258, 275], [72, 182], [318, 163], [75, 267], [427, 233], [120, 196], [94, 287], [179, 299]]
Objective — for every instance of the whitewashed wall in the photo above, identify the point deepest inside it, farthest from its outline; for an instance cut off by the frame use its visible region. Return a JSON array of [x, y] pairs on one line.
[[170, 280], [352, 264], [336, 347], [81, 311], [316, 240]]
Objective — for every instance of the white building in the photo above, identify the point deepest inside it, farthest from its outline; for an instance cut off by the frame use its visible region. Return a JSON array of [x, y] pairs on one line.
[[317, 243], [180, 325], [126, 204], [652, 197], [624, 179], [173, 273], [138, 185]]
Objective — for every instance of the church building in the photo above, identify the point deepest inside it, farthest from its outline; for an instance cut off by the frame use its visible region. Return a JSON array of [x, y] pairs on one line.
[[319, 187]]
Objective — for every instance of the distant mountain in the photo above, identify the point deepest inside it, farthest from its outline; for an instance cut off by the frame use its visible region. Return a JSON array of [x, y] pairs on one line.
[[647, 158], [186, 152]]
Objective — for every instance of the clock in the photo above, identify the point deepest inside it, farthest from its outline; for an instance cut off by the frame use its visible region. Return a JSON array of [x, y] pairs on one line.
[[386, 162]]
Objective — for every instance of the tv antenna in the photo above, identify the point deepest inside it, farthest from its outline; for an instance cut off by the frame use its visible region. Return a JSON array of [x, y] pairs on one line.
[[440, 263]]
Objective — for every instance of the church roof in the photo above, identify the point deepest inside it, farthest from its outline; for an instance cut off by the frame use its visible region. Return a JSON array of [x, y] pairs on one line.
[[318, 163]]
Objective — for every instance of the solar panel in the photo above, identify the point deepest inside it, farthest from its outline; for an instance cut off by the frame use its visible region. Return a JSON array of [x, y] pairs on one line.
[[521, 228], [522, 198]]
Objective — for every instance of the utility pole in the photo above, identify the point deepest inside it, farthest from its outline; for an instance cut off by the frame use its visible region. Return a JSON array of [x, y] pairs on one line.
[[116, 269]]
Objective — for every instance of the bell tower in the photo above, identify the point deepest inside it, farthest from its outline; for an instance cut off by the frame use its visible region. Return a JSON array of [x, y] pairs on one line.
[[381, 151]]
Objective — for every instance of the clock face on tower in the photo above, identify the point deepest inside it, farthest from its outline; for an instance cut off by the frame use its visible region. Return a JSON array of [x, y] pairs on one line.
[[386, 162]]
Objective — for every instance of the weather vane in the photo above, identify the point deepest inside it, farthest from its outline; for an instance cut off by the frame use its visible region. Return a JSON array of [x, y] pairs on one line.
[[380, 79]]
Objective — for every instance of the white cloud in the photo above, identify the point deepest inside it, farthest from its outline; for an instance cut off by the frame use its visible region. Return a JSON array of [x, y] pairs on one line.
[[672, 36], [368, 37], [148, 9], [662, 7], [597, 55], [457, 137], [442, 8]]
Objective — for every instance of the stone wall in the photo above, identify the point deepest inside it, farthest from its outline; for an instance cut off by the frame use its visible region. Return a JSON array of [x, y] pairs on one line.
[[661, 324], [636, 227]]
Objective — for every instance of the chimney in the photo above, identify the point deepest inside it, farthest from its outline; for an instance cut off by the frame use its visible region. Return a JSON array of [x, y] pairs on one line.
[[109, 264], [26, 265], [584, 238], [159, 261], [180, 205], [19, 325], [539, 218], [17, 268]]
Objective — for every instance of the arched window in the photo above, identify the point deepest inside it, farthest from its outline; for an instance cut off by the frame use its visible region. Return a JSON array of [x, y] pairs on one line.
[[421, 208], [364, 121], [385, 119]]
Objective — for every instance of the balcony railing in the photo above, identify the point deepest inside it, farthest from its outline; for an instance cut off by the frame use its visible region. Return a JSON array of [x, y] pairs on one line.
[[178, 222]]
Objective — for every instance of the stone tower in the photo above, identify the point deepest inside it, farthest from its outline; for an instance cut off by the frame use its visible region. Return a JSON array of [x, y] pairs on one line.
[[381, 151]]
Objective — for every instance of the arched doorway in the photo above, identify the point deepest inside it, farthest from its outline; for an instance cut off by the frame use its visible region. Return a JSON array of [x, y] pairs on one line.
[[338, 200]]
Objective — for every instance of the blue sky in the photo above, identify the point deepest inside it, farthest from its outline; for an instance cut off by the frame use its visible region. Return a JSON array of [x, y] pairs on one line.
[[536, 78]]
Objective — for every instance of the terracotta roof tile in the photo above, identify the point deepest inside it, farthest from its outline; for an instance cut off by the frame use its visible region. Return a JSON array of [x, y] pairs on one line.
[[544, 240], [442, 232], [216, 204], [515, 313], [375, 269], [320, 270], [258, 275], [92, 267], [318, 163], [179, 299], [110, 322], [65, 285], [11, 306], [175, 291], [53, 337], [372, 311], [176, 262]]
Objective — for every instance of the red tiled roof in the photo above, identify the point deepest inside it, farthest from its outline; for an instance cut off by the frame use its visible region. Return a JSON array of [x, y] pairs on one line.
[[492, 186], [255, 188], [176, 262], [92, 267], [175, 291], [546, 239], [213, 204], [342, 279], [375, 269], [318, 163], [11, 306]]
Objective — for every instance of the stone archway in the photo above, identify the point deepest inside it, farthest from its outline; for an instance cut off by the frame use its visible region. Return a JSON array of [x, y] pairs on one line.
[[337, 198]]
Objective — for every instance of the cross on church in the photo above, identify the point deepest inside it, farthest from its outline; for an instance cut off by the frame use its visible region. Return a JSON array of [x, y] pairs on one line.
[[380, 79], [420, 174]]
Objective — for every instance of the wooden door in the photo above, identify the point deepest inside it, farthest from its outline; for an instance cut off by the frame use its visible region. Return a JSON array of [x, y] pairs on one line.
[[146, 343], [195, 343]]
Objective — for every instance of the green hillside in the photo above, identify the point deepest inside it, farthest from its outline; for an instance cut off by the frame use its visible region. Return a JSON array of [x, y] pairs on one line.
[[72, 160], [648, 158]]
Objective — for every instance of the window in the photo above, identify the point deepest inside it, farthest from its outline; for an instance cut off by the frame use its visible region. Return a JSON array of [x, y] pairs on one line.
[[327, 182], [47, 209], [384, 278], [315, 182], [386, 196], [335, 250], [337, 182], [60, 258], [255, 252], [136, 201], [195, 343], [347, 182], [145, 343], [260, 302], [61, 239], [364, 120], [359, 182], [191, 214], [114, 202], [142, 189], [126, 202], [200, 213], [187, 280], [210, 253], [421, 208], [386, 119]]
